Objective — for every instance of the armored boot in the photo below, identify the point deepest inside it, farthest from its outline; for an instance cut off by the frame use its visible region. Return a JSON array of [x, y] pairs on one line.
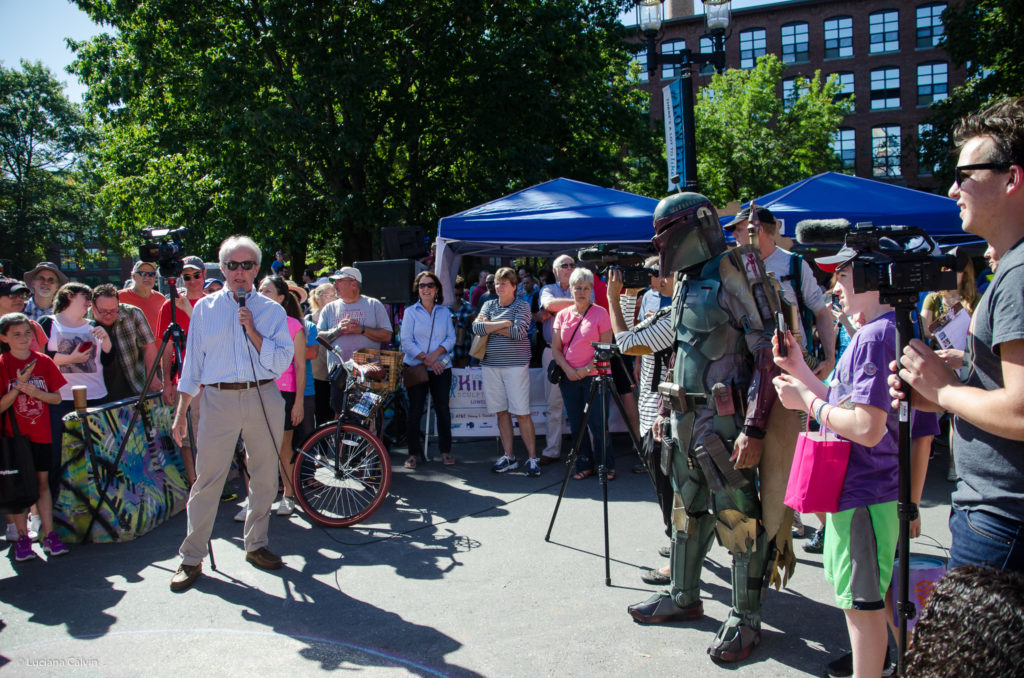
[[690, 545], [741, 632]]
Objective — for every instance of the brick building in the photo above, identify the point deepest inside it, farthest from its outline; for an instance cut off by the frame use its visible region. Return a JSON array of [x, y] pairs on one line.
[[885, 52]]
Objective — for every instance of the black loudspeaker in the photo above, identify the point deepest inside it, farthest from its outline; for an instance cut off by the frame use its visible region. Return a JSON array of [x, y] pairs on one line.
[[390, 280], [403, 242]]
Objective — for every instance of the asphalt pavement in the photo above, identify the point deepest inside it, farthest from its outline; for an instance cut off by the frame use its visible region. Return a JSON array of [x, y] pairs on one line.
[[451, 577]]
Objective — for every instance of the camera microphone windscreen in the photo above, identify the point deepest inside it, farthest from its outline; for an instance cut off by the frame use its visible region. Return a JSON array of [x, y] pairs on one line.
[[240, 296], [822, 231]]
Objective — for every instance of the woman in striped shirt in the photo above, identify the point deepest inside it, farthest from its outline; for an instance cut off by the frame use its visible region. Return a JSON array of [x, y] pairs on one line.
[[506, 368]]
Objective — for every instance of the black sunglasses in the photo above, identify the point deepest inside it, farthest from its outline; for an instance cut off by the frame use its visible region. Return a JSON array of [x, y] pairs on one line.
[[426, 286], [960, 172], [146, 274], [193, 276], [246, 265]]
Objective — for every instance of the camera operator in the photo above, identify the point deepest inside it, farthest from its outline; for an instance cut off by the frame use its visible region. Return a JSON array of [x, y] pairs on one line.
[[795, 277], [651, 339], [987, 518]]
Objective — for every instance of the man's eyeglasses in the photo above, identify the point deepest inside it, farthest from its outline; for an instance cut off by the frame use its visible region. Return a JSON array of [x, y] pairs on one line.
[[146, 274], [104, 311], [23, 295], [567, 266], [193, 276], [427, 286], [246, 265], [960, 172]]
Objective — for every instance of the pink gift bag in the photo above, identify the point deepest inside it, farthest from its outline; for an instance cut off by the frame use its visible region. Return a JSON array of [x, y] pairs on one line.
[[819, 468]]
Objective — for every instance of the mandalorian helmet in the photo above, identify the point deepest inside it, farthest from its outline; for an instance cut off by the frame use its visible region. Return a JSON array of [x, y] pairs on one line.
[[687, 232]]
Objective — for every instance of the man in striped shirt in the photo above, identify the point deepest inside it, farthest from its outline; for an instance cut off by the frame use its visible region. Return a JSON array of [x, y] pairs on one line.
[[235, 351]]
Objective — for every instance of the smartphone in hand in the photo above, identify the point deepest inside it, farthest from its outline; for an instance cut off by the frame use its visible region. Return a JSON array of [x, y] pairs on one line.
[[780, 334], [28, 367], [85, 346]]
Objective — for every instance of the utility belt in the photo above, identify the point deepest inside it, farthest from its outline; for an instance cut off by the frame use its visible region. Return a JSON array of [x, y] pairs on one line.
[[677, 399]]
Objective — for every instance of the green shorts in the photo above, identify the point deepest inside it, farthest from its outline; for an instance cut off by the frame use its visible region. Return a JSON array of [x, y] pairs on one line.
[[860, 546]]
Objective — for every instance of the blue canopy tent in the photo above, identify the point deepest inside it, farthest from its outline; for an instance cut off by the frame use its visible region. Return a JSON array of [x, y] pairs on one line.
[[545, 220], [832, 196]]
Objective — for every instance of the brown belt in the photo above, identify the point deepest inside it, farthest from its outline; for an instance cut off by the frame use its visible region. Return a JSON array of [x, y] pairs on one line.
[[241, 385]]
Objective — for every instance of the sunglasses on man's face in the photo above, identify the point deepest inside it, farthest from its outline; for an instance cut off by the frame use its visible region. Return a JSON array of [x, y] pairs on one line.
[[246, 265], [567, 266], [146, 274], [191, 276], [960, 172]]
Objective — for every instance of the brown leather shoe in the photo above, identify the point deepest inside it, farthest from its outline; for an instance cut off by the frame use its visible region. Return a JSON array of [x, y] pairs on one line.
[[185, 577], [264, 559], [544, 461]]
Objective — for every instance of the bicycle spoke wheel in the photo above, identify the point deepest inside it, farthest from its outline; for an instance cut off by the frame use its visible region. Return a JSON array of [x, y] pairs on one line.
[[341, 480]]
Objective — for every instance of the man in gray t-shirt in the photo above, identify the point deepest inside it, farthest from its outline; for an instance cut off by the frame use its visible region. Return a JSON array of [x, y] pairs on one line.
[[987, 401], [352, 321]]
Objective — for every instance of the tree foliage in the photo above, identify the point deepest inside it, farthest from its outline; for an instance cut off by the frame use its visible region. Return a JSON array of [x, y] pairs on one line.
[[751, 142], [987, 38], [43, 192], [313, 124]]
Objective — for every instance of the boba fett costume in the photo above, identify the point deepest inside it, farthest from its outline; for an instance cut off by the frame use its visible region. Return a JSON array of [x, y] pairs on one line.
[[719, 403]]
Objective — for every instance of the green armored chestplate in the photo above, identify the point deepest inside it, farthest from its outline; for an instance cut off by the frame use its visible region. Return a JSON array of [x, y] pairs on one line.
[[703, 332]]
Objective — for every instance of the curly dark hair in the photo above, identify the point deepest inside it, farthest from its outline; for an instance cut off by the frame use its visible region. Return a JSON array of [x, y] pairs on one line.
[[973, 626], [1003, 122], [439, 298]]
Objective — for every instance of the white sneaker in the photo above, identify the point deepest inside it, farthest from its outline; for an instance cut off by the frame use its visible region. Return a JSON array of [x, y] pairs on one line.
[[240, 516], [12, 532], [286, 507]]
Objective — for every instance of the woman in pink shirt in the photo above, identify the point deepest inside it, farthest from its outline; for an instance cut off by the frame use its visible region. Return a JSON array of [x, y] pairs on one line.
[[575, 328]]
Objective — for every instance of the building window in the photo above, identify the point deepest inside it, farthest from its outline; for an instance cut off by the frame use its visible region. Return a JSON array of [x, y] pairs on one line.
[[838, 37], [753, 44], [845, 147], [885, 88], [885, 151], [884, 29], [640, 59], [792, 89], [929, 25], [672, 47], [846, 84], [932, 82], [922, 168], [707, 47], [794, 44]]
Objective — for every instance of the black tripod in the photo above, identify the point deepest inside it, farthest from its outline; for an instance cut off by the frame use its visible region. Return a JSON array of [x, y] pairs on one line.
[[603, 384], [174, 336]]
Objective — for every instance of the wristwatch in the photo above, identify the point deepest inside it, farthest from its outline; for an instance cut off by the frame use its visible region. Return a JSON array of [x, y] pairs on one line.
[[752, 431]]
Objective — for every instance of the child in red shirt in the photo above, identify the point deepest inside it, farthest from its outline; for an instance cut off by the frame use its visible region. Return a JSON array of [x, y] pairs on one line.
[[29, 383]]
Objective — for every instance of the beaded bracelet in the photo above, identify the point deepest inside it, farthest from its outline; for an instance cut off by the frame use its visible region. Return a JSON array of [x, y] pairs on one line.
[[821, 407]]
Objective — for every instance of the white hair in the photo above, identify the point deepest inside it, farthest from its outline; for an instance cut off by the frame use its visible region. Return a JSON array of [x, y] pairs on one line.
[[237, 242], [581, 275], [558, 261]]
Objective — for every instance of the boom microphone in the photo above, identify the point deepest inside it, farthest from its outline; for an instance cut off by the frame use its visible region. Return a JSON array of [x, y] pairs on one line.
[[822, 231], [240, 296]]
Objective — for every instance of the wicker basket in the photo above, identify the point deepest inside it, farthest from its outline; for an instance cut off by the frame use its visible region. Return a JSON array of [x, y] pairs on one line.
[[391, 361]]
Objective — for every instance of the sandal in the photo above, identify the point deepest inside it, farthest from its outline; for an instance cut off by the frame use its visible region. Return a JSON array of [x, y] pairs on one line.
[[580, 475], [447, 459], [410, 462]]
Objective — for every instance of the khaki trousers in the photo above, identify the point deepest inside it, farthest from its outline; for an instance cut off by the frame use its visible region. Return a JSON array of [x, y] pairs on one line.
[[226, 414]]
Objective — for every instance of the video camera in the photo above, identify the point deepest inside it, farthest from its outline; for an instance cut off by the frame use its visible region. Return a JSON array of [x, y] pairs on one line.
[[165, 249], [898, 261], [629, 261], [605, 352]]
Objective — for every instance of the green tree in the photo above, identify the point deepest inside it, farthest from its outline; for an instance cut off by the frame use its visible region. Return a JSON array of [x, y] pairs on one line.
[[45, 199], [987, 38], [751, 142], [311, 125]]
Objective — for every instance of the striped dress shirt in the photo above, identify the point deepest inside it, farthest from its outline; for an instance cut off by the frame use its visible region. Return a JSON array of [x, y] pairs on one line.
[[218, 351]]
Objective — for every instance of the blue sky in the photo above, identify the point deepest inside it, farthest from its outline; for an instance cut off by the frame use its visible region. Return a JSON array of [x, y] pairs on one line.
[[35, 30]]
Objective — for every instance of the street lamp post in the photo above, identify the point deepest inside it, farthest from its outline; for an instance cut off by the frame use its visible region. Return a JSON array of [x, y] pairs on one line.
[[717, 14]]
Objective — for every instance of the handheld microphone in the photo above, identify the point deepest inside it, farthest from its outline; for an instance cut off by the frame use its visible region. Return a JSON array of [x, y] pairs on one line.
[[822, 231], [240, 296]]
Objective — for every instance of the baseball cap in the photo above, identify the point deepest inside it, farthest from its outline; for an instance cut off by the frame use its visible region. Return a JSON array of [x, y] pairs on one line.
[[139, 264], [49, 266], [212, 281], [9, 286], [193, 262], [348, 272], [763, 215]]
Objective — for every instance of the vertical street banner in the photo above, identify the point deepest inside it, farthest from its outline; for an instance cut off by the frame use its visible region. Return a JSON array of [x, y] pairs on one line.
[[675, 146]]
